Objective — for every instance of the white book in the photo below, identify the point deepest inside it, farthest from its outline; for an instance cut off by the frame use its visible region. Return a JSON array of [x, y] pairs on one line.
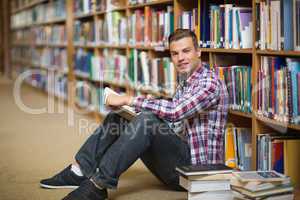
[[204, 186], [126, 111], [228, 7], [145, 67], [215, 195]]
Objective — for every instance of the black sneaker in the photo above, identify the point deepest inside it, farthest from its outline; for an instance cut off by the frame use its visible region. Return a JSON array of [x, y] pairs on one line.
[[64, 179], [87, 191]]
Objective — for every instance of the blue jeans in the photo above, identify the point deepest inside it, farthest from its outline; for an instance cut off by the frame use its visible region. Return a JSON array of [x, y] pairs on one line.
[[118, 143]]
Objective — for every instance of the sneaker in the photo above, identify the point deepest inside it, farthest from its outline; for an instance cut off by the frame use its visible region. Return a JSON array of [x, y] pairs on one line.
[[87, 191], [64, 179]]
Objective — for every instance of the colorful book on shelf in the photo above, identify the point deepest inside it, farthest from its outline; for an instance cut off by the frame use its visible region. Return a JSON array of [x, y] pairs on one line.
[[125, 110], [238, 82], [278, 93], [230, 156], [270, 151], [278, 24]]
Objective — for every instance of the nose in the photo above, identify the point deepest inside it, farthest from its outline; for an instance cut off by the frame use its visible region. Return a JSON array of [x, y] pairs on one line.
[[180, 56]]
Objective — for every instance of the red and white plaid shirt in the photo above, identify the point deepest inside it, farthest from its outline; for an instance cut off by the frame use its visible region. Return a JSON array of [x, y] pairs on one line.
[[202, 105]]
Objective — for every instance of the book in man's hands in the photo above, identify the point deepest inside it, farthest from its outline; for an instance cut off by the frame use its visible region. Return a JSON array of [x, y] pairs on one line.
[[126, 111]]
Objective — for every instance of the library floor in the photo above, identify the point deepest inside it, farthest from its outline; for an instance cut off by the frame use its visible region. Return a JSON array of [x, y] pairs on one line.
[[35, 146]]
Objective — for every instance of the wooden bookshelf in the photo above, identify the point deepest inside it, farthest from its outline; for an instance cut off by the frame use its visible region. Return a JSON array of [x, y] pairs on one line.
[[250, 56], [227, 51], [239, 113], [278, 53], [40, 45], [272, 122], [154, 3], [34, 3]]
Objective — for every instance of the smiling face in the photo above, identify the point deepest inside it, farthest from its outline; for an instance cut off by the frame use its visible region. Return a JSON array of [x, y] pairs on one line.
[[184, 55]]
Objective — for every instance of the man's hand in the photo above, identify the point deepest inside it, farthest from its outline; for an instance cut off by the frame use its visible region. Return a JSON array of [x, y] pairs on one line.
[[118, 100]]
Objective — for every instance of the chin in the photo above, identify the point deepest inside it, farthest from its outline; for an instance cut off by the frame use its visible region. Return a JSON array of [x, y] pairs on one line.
[[184, 71]]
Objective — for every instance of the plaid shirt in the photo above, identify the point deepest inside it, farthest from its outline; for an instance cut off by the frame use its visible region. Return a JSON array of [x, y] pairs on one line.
[[202, 105]]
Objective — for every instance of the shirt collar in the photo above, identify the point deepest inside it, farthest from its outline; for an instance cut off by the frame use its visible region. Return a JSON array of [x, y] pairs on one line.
[[195, 75]]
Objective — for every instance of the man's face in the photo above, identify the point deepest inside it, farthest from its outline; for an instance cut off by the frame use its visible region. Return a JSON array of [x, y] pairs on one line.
[[184, 55]]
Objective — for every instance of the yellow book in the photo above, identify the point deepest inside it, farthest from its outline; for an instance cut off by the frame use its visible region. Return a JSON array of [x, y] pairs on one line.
[[229, 148]]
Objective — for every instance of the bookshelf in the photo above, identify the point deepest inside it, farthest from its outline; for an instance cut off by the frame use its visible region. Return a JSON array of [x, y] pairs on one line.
[[112, 48]]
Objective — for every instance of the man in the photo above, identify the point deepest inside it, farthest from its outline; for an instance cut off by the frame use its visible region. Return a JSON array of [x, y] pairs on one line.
[[188, 129]]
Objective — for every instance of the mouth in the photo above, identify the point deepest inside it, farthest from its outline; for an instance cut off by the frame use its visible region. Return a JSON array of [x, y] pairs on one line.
[[183, 65]]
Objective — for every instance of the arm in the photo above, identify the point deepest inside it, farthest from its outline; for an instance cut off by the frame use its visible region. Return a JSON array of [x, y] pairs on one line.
[[203, 96], [116, 100]]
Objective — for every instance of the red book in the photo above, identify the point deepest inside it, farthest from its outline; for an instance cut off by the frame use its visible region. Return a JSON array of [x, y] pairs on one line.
[[277, 156]]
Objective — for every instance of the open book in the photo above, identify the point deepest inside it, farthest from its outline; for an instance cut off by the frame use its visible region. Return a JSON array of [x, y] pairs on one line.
[[125, 111]]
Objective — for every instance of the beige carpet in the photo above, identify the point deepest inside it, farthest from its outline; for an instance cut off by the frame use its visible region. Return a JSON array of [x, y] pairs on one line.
[[35, 146]]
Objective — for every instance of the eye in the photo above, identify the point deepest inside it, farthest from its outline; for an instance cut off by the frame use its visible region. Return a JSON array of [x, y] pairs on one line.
[[186, 50], [174, 53]]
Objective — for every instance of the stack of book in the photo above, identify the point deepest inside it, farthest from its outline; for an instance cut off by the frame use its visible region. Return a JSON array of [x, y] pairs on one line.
[[206, 181], [258, 185]]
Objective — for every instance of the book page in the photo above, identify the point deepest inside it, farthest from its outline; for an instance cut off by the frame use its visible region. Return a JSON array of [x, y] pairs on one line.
[[126, 111]]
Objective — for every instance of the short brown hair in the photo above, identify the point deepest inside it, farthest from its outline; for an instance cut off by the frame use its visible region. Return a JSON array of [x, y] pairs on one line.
[[182, 33]]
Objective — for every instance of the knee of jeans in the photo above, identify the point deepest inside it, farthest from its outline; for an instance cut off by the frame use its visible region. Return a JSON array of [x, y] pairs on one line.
[[145, 114], [111, 116]]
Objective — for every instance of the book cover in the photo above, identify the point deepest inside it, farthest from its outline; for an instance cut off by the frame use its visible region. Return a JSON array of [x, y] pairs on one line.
[[277, 156], [190, 170], [263, 176], [288, 25], [230, 160]]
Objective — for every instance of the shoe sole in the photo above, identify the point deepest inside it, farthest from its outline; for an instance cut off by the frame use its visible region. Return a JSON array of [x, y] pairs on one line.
[[58, 187]]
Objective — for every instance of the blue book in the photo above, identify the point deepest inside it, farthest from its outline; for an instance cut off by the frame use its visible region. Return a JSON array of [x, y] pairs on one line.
[[288, 24], [294, 68], [230, 29]]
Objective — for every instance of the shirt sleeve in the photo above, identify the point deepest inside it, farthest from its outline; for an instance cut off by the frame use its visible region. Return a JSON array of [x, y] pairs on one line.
[[203, 95]]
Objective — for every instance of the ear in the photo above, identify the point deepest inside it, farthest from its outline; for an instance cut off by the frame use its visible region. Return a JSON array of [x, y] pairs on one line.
[[199, 53]]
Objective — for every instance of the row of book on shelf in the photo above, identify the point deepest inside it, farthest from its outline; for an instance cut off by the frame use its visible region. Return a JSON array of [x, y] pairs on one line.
[[225, 26], [278, 89], [149, 27], [86, 6], [277, 24], [49, 34], [40, 13], [55, 84], [156, 74], [49, 58], [221, 25], [238, 81], [270, 148]]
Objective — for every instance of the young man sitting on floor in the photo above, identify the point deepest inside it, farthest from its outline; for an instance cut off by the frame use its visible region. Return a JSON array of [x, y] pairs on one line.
[[187, 129]]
